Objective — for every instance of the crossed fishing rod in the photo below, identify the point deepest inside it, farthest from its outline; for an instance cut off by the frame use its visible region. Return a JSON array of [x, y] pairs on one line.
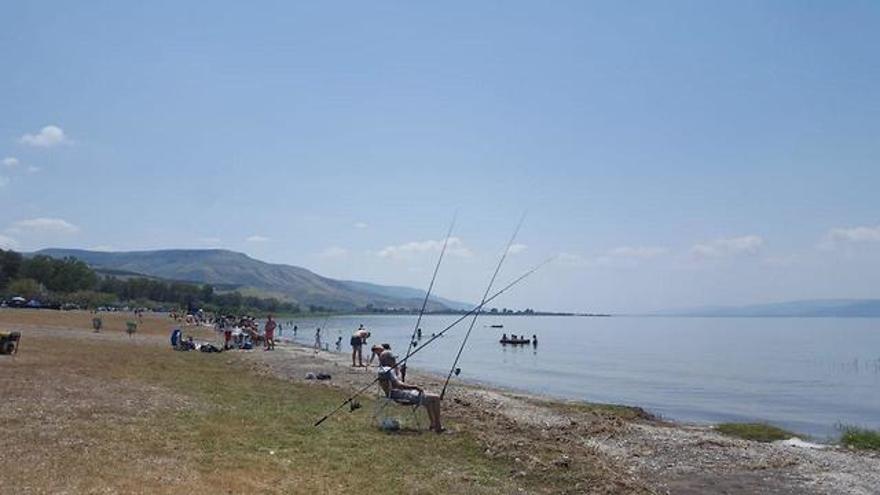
[[467, 335], [412, 339], [475, 310]]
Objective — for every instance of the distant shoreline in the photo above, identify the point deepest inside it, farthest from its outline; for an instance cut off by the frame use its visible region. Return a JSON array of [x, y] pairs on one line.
[[482, 314]]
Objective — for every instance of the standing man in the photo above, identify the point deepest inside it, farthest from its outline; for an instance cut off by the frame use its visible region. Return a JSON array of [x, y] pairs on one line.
[[270, 333], [358, 339], [317, 339], [97, 323]]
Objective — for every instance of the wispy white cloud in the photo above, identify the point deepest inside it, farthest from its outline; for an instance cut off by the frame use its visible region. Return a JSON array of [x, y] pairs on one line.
[[517, 248], [7, 242], [360, 225], [44, 225], [572, 259], [49, 136], [33, 169], [10, 161], [257, 238], [733, 246], [850, 235], [333, 252], [455, 247]]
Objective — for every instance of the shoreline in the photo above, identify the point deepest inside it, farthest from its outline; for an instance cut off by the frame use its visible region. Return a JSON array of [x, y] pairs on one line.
[[672, 454], [597, 448], [699, 370]]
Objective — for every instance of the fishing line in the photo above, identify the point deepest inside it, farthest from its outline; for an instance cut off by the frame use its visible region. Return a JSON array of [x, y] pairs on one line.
[[412, 339], [438, 335], [483, 301]]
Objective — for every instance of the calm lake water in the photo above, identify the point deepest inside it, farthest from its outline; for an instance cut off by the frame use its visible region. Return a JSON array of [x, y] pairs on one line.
[[805, 374]]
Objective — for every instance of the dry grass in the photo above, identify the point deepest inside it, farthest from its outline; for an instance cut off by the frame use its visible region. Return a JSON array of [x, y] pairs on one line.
[[114, 323], [89, 413]]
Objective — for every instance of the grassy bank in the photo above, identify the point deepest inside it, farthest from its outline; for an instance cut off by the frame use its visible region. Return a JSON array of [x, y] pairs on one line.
[[91, 412], [860, 438], [759, 432]]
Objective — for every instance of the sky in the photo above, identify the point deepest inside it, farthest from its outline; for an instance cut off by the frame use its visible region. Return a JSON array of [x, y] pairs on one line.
[[668, 154]]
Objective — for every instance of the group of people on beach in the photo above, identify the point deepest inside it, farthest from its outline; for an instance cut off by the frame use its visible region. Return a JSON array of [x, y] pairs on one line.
[[244, 333]]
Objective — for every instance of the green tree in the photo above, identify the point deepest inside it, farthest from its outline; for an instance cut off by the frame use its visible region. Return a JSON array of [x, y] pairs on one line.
[[207, 294], [40, 268], [71, 274], [90, 298], [10, 264], [27, 288]]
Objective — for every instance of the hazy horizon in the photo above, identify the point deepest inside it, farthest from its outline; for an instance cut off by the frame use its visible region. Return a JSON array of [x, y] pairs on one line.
[[672, 155]]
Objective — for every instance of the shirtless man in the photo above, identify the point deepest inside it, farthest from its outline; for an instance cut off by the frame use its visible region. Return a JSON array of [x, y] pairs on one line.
[[358, 339], [270, 333], [317, 340]]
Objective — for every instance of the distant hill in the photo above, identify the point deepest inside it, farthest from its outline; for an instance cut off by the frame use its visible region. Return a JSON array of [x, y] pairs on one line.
[[229, 269], [805, 308]]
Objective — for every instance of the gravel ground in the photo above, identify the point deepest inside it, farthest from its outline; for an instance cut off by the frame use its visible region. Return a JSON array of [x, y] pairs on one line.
[[604, 451], [656, 456]]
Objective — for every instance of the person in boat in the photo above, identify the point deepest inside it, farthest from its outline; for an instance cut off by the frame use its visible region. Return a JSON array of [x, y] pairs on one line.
[[405, 393], [358, 339], [535, 340], [504, 337]]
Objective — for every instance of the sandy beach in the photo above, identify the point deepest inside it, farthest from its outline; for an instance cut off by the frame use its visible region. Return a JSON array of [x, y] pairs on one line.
[[74, 400]]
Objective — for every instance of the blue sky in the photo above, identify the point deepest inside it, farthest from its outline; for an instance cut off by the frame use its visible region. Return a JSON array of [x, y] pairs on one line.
[[673, 154]]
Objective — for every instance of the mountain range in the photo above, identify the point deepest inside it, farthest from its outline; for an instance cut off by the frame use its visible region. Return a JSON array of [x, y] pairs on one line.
[[230, 270]]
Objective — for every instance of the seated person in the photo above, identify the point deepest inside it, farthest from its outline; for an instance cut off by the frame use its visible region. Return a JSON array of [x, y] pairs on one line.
[[404, 393]]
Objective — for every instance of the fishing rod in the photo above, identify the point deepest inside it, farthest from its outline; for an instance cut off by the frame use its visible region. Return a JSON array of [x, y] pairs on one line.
[[412, 339], [437, 336], [482, 302]]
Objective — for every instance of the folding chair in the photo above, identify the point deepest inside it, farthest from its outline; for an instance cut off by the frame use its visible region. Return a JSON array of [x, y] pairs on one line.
[[385, 416]]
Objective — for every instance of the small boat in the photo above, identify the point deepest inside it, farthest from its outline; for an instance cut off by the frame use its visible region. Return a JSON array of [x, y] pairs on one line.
[[496, 326], [515, 341]]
